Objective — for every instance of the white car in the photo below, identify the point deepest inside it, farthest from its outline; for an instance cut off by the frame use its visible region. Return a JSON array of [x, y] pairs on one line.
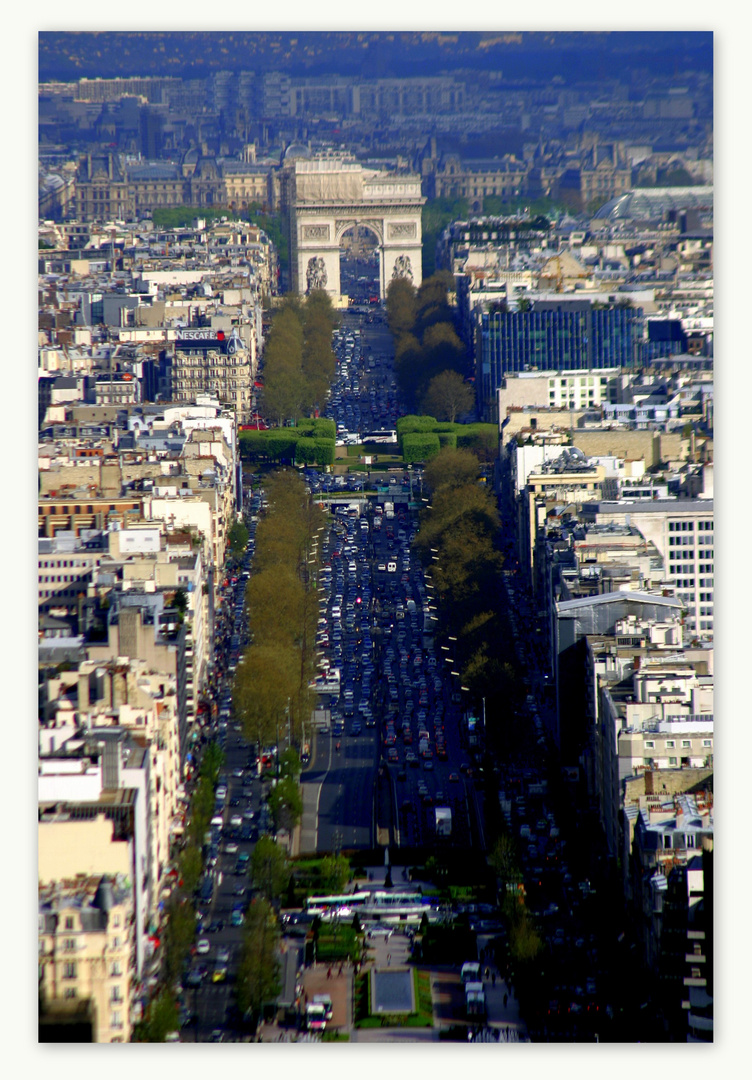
[[203, 947]]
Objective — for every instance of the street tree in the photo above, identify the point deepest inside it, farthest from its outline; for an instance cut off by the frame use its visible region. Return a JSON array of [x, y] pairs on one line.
[[270, 868], [261, 689], [258, 982], [448, 396], [212, 760], [160, 1019], [451, 468], [335, 873], [286, 803]]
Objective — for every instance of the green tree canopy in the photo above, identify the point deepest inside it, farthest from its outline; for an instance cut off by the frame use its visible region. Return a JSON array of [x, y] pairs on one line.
[[451, 468], [335, 873], [286, 803], [448, 396], [258, 981], [237, 537], [160, 1019], [212, 760], [270, 868]]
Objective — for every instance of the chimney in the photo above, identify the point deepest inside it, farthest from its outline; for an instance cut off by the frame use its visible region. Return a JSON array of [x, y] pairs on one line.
[[83, 691]]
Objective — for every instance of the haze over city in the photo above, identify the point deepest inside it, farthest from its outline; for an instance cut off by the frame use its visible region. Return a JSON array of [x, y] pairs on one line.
[[376, 537]]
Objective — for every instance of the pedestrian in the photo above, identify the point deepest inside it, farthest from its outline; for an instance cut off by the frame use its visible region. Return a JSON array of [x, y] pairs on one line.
[[493, 978], [388, 958], [329, 973], [505, 1000]]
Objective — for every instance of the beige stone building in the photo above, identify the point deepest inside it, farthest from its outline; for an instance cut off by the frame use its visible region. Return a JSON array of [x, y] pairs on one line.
[[86, 952], [208, 361]]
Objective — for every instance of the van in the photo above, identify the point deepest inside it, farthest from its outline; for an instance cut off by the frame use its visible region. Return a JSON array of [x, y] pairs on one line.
[[470, 972], [326, 1001], [315, 1016]]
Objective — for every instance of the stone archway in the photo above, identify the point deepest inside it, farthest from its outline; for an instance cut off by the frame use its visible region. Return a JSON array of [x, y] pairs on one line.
[[327, 196]]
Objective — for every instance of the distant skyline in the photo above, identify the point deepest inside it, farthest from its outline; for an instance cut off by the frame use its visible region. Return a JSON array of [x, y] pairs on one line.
[[527, 56]]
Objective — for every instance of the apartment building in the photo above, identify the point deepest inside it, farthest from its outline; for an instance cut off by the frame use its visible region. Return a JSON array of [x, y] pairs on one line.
[[572, 622], [66, 564], [123, 694], [208, 361], [682, 531], [653, 713], [74, 512], [86, 947], [668, 834]]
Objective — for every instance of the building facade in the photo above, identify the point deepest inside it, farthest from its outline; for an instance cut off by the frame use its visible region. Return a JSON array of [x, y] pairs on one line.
[[210, 361], [565, 336]]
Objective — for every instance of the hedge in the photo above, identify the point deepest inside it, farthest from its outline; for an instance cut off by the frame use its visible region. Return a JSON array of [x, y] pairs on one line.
[[412, 422], [419, 447], [478, 435], [314, 451], [447, 438], [320, 428], [286, 443]]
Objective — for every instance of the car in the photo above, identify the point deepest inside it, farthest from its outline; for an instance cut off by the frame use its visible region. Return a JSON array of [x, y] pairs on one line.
[[194, 978], [231, 848], [202, 947], [236, 821], [223, 955], [236, 919], [454, 778], [219, 974]]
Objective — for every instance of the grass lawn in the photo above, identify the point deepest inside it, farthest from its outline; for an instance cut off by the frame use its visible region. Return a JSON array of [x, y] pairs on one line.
[[339, 944]]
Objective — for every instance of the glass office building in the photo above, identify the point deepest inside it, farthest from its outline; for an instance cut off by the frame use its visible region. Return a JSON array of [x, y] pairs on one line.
[[553, 336]]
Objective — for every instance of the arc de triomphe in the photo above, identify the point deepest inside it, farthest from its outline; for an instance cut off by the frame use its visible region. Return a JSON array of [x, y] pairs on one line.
[[327, 197]]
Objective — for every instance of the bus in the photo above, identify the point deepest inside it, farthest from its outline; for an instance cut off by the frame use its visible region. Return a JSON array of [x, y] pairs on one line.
[[386, 435], [380, 905]]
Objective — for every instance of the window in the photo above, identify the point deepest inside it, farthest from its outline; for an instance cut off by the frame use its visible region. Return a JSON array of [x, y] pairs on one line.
[[116, 1019], [115, 970], [70, 992], [69, 970], [672, 761], [69, 944], [670, 744], [68, 922], [707, 742], [649, 744], [686, 743]]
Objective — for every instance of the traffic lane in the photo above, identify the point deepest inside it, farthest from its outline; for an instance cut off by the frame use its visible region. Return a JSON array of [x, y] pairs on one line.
[[346, 808]]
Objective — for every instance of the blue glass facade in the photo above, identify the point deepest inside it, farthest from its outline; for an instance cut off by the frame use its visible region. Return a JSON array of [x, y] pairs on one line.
[[572, 337]]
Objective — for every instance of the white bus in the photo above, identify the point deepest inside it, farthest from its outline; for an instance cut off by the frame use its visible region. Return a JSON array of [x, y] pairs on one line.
[[383, 436]]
